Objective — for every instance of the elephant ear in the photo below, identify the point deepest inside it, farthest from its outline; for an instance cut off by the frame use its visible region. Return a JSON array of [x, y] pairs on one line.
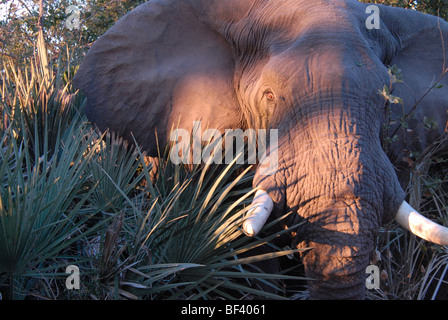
[[158, 68], [422, 56]]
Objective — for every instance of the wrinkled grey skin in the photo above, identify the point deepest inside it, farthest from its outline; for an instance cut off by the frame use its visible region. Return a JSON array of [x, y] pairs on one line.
[[172, 62]]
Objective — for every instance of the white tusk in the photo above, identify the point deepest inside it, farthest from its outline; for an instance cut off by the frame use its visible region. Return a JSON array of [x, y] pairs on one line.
[[258, 214], [422, 227]]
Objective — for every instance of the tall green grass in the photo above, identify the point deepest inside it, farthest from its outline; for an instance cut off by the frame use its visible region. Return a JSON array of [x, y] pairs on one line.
[[46, 147], [72, 196], [413, 269]]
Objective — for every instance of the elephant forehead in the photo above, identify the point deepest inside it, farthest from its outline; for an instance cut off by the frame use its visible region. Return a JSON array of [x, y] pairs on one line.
[[272, 28], [282, 22]]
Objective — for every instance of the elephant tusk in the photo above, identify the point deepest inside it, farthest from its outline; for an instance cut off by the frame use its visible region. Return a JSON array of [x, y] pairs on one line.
[[258, 214], [422, 227]]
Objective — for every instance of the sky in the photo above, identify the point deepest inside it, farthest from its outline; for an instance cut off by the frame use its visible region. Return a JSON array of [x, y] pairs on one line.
[[4, 8], [2, 11]]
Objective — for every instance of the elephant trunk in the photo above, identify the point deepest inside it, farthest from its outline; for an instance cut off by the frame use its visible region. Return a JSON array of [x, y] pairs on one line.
[[336, 277], [342, 209], [342, 187], [340, 243]]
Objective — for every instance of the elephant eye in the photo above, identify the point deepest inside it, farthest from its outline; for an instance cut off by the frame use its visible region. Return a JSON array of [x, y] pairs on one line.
[[270, 96]]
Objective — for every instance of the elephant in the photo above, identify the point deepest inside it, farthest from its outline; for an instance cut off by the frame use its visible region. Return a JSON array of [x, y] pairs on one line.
[[312, 70]]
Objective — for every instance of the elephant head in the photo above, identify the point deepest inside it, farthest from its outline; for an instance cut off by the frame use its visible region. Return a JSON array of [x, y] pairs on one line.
[[309, 69]]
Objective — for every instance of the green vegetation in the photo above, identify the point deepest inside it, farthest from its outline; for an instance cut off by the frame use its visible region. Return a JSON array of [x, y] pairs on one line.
[[70, 196], [413, 268]]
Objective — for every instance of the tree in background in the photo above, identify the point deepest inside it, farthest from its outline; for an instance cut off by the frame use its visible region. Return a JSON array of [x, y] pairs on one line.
[[434, 7], [19, 27]]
